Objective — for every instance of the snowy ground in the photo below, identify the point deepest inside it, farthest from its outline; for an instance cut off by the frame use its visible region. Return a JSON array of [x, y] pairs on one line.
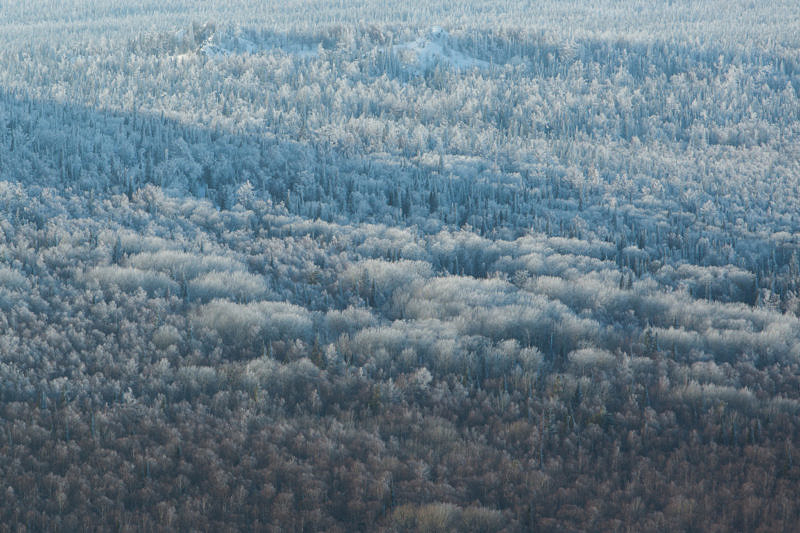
[[435, 48]]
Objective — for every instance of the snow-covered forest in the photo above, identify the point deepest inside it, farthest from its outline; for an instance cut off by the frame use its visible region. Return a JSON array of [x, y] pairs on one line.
[[399, 266]]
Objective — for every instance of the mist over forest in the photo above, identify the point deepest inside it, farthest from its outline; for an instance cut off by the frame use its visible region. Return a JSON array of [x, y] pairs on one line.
[[399, 266]]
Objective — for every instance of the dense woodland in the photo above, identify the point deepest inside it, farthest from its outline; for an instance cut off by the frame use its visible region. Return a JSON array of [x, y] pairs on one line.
[[534, 268]]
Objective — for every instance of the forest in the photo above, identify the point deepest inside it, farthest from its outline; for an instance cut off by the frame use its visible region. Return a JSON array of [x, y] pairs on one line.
[[399, 266]]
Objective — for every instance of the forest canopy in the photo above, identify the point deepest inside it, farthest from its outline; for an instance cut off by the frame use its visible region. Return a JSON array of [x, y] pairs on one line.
[[399, 266]]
